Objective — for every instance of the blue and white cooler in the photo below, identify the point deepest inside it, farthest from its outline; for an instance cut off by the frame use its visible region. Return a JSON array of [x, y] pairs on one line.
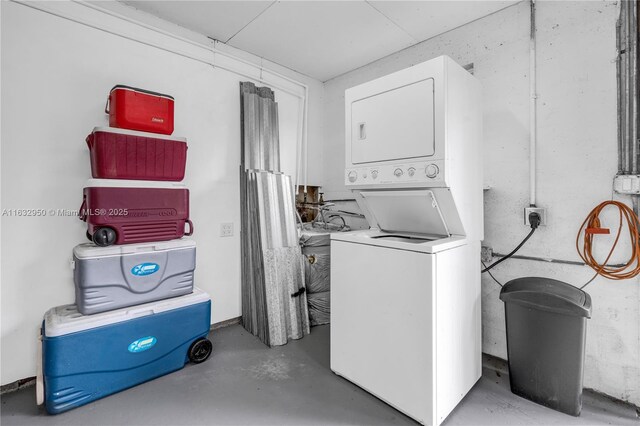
[[85, 358], [108, 278]]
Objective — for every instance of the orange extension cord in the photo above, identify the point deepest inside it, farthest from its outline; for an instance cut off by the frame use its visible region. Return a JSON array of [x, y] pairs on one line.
[[591, 227]]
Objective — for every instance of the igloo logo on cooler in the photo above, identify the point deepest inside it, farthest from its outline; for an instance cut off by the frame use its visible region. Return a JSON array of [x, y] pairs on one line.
[[142, 344], [145, 269]]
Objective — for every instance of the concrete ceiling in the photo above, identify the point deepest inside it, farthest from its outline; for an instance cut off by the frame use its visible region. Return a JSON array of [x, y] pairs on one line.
[[321, 39]]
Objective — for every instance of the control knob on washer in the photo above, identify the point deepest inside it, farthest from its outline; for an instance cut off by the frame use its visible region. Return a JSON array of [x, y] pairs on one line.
[[353, 175], [411, 171], [374, 174], [431, 171], [398, 172]]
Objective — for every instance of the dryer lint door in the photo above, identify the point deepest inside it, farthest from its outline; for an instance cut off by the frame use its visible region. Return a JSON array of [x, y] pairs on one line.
[[404, 212]]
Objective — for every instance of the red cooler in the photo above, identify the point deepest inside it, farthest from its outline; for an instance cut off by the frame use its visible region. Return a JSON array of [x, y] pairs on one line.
[[139, 109], [128, 154], [125, 211]]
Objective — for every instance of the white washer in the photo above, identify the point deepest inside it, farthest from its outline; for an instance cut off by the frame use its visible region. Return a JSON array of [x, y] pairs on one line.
[[405, 295]]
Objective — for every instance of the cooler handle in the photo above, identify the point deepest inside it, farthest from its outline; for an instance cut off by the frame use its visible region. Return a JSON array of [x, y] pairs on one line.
[[39, 373], [190, 228], [106, 106], [82, 215]]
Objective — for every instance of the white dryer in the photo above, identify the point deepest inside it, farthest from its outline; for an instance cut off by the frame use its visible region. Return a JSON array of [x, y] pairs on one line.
[[405, 295]]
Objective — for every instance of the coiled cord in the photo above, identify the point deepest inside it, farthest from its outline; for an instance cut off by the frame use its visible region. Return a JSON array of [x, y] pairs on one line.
[[591, 227]]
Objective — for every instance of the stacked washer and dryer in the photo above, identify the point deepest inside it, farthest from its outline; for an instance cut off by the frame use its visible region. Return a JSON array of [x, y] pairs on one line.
[[405, 299]]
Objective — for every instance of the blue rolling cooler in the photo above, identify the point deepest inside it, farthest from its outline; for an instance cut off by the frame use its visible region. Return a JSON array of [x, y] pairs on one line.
[[88, 357]]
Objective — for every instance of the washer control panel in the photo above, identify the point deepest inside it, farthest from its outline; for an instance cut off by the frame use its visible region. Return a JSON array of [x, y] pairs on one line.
[[422, 172]]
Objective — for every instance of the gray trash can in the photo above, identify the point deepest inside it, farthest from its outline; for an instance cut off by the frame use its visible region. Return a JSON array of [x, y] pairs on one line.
[[546, 329]]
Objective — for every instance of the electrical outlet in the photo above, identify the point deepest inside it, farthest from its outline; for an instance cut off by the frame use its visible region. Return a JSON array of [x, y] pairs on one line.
[[226, 230], [542, 212], [486, 254], [627, 184]]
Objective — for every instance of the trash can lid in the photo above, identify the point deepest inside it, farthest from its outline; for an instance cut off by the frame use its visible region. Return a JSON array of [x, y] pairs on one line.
[[546, 294]]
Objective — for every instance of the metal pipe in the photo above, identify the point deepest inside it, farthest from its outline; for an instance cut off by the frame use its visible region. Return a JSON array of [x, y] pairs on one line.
[[306, 143], [42, 8], [628, 85], [627, 69], [296, 183], [633, 84], [184, 39], [636, 60], [303, 138], [626, 166], [350, 214], [549, 260], [532, 107], [620, 71]]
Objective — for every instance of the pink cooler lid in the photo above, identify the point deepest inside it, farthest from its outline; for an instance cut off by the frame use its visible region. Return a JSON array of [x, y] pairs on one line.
[[137, 133]]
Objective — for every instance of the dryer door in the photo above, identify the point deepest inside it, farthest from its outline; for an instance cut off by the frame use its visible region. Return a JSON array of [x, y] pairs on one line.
[[394, 125], [408, 212]]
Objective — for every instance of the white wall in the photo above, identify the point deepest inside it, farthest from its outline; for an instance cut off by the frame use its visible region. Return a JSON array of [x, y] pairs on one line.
[[56, 74], [576, 160], [315, 105]]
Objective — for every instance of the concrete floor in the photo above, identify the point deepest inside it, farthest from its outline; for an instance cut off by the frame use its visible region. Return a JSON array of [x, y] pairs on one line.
[[246, 383]]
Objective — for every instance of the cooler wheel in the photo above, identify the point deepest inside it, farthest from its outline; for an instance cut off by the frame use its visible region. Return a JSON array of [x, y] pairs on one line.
[[104, 237], [200, 350]]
